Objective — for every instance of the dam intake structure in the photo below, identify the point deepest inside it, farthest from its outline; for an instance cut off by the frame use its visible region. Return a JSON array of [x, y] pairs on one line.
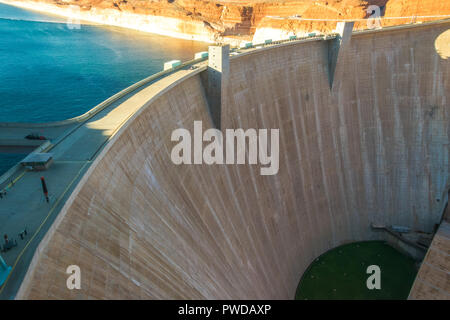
[[368, 145]]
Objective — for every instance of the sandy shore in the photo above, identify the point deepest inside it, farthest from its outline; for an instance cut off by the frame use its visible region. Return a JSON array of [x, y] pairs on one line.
[[152, 24]]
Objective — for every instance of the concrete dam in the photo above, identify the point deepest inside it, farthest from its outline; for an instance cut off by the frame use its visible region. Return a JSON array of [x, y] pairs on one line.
[[364, 139]]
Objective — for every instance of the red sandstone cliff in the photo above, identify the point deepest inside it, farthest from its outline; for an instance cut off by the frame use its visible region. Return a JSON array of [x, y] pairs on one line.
[[241, 19]]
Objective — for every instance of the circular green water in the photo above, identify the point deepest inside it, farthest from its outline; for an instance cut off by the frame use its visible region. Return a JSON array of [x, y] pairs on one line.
[[341, 273]]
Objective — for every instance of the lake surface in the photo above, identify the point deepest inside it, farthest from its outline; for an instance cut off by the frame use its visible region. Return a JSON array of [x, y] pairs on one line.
[[8, 160], [51, 71]]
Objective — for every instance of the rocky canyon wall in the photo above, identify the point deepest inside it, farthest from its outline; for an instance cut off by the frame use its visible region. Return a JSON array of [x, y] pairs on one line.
[[237, 21]]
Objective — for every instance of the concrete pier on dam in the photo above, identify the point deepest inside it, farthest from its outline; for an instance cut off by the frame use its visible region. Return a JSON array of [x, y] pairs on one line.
[[364, 139]]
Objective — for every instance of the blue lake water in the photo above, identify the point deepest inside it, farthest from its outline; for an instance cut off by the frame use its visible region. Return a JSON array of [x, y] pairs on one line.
[[51, 72], [8, 160]]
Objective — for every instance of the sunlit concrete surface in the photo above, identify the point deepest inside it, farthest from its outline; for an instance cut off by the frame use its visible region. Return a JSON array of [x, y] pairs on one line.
[[443, 44], [433, 280], [374, 149]]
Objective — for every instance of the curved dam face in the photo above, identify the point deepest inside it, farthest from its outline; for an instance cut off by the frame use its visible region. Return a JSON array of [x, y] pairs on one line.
[[373, 149]]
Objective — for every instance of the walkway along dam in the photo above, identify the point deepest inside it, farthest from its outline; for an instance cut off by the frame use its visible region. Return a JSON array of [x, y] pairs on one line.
[[364, 139]]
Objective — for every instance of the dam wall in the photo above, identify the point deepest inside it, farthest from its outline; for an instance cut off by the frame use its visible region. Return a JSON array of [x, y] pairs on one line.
[[373, 149]]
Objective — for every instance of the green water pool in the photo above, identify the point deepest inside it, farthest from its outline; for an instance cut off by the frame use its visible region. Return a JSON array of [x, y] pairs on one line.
[[341, 273]]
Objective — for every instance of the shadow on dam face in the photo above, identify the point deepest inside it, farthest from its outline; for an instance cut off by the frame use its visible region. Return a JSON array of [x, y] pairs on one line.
[[374, 149]]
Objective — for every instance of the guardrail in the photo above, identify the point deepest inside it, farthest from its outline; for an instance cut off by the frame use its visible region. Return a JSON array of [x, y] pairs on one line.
[[401, 26], [297, 39], [236, 52], [333, 35]]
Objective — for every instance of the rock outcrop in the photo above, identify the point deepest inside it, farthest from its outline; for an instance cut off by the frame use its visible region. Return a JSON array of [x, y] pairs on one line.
[[235, 20]]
